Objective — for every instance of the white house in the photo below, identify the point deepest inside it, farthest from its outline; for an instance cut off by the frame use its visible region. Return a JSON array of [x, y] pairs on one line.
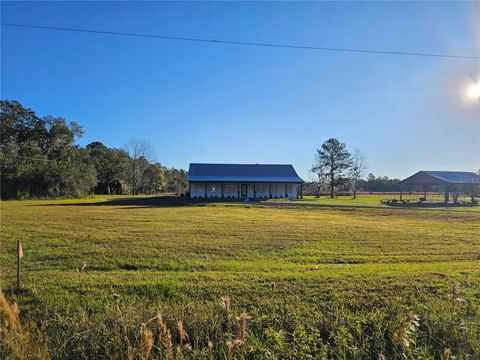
[[244, 181]]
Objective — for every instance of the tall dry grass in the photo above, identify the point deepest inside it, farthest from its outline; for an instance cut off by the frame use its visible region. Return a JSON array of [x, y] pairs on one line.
[[128, 330], [16, 341]]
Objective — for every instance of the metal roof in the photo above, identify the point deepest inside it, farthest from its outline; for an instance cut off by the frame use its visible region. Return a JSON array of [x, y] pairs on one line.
[[243, 173], [442, 177]]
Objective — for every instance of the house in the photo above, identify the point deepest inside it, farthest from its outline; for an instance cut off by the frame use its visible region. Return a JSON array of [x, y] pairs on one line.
[[244, 181], [447, 181]]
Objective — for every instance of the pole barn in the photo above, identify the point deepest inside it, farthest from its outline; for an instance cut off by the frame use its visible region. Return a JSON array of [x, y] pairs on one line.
[[447, 181]]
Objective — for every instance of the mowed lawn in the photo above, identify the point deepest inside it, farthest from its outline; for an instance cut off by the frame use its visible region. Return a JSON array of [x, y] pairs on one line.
[[162, 252]]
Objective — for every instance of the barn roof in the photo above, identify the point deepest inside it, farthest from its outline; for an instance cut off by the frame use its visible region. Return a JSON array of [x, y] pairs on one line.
[[442, 177], [243, 172]]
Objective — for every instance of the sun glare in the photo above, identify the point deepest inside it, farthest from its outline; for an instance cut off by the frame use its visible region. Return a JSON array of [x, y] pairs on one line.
[[473, 91]]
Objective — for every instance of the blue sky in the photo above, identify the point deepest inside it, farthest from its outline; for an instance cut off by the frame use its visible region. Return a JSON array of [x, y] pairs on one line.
[[197, 102]]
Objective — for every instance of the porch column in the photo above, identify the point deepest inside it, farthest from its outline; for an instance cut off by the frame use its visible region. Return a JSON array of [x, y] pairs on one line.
[[270, 189], [205, 190], [447, 194], [286, 193], [401, 194], [472, 193], [254, 191], [424, 188], [190, 189], [222, 190], [301, 190], [238, 190]]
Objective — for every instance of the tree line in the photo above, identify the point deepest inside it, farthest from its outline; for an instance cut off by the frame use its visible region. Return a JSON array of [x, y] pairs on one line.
[[40, 157], [337, 169]]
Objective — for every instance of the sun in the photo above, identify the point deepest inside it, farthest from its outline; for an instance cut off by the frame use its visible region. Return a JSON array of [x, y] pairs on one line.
[[473, 91]]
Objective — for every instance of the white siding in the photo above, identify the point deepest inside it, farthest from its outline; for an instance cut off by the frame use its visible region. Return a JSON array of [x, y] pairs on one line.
[[250, 190], [292, 190], [197, 190], [262, 190], [214, 190], [278, 190], [230, 190]]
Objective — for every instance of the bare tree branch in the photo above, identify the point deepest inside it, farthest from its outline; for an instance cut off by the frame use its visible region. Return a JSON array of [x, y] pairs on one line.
[[358, 170], [141, 154]]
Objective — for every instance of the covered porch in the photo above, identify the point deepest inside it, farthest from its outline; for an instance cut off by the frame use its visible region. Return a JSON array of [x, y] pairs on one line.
[[252, 190]]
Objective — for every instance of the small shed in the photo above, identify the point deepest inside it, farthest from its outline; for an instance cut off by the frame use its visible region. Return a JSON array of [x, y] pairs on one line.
[[244, 181], [448, 181]]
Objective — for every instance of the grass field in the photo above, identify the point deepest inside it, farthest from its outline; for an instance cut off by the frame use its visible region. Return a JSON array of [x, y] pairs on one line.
[[332, 281]]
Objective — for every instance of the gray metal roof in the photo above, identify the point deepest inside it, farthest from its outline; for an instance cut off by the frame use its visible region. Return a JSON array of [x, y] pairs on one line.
[[243, 173], [442, 177]]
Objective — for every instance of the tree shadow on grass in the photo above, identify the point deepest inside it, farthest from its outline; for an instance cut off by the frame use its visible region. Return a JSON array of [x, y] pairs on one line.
[[147, 202], [175, 201]]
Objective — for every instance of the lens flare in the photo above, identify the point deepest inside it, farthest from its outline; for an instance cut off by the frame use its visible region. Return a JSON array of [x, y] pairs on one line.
[[473, 91]]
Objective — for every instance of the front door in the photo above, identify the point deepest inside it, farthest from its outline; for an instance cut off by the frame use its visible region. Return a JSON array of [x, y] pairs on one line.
[[244, 190]]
